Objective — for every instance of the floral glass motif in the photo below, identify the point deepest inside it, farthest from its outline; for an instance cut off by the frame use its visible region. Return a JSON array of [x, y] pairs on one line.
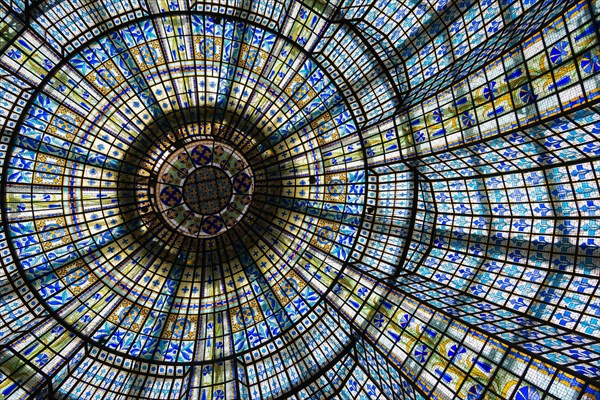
[[307, 199]]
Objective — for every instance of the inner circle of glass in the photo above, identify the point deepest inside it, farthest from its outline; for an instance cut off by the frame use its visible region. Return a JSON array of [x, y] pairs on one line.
[[207, 190], [204, 186]]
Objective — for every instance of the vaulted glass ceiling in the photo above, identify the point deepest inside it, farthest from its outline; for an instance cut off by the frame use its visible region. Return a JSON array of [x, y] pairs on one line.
[[300, 199]]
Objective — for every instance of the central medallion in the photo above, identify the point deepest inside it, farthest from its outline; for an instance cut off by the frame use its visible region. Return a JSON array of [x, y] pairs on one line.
[[202, 186], [207, 190]]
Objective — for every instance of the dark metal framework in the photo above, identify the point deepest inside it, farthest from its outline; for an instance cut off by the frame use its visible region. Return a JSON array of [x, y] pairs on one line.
[[408, 279]]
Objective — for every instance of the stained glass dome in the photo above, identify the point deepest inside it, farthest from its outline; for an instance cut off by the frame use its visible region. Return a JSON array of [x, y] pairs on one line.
[[307, 199]]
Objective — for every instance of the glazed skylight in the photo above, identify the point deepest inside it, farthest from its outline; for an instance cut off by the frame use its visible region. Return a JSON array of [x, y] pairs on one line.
[[299, 199]]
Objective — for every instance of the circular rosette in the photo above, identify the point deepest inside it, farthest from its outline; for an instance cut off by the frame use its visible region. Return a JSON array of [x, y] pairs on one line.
[[242, 183], [336, 188], [212, 224], [203, 187], [201, 155], [207, 190], [170, 196]]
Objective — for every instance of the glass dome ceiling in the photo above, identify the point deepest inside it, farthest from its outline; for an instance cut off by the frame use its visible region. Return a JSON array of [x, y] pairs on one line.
[[300, 199]]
